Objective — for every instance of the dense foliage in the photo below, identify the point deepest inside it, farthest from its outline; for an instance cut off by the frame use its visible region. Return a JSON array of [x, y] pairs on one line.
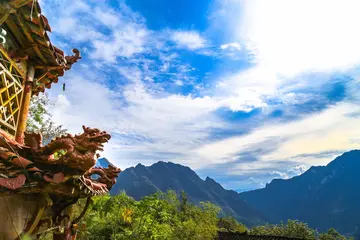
[[159, 216], [296, 229], [166, 216], [293, 228], [39, 119]]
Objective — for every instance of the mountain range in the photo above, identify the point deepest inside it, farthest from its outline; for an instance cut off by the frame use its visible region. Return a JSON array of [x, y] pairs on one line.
[[141, 181], [323, 196]]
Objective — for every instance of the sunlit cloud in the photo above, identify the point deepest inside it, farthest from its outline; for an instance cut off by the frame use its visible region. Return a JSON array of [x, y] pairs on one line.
[[258, 77]]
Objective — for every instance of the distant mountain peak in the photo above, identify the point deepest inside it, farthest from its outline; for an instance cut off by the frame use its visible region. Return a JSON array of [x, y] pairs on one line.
[[144, 180], [211, 181], [208, 179], [139, 165], [102, 162], [314, 196]]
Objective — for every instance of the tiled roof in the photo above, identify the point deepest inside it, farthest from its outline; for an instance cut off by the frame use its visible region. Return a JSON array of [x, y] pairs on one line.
[[30, 28]]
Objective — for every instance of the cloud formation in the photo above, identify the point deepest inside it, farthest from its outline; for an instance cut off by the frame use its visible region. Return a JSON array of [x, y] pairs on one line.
[[188, 39], [232, 45], [256, 91]]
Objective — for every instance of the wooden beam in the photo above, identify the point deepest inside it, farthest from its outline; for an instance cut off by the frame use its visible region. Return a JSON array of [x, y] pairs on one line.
[[13, 64], [5, 10], [18, 36], [27, 32], [25, 105], [8, 7], [20, 3]]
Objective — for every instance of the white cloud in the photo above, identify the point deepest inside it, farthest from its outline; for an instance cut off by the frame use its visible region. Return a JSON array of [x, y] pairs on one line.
[[285, 40], [299, 169], [259, 182], [64, 21], [148, 123], [289, 173], [107, 17], [84, 102], [179, 83], [144, 129], [125, 33], [247, 89], [298, 36], [125, 42], [129, 35], [188, 39], [330, 130], [233, 45], [279, 174]]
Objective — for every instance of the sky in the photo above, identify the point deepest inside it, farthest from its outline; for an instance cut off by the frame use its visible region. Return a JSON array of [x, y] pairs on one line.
[[243, 91]]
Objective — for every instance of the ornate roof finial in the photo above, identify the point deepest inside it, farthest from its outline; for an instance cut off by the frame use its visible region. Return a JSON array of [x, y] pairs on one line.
[[70, 60]]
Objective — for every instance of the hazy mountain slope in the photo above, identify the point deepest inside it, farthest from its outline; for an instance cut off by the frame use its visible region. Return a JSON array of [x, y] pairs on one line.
[[324, 197]]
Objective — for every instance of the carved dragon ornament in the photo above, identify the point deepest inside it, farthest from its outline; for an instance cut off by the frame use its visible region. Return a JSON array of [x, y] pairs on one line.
[[65, 166]]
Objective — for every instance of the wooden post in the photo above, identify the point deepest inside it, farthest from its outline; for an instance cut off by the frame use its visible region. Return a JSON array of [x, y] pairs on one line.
[[24, 111]]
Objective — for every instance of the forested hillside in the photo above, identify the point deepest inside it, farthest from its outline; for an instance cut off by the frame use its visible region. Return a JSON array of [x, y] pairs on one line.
[[165, 216], [142, 181]]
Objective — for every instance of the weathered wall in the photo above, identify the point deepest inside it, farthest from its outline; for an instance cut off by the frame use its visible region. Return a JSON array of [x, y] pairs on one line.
[[15, 212]]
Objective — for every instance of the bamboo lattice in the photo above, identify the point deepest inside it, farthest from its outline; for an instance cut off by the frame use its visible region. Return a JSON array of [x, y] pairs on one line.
[[11, 90]]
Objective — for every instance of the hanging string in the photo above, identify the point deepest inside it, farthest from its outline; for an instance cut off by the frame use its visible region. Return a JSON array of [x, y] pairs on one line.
[[32, 10]]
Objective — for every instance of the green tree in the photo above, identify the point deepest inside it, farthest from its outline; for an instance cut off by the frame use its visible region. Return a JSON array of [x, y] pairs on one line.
[[167, 216], [158, 216], [199, 222], [184, 203], [230, 224], [108, 218], [331, 234], [155, 216], [39, 119], [293, 228], [296, 229]]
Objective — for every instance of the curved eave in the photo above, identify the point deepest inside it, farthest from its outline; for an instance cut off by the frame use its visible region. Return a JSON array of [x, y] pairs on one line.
[[30, 29]]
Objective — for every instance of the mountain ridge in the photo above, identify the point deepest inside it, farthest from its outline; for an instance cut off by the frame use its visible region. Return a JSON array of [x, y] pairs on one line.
[[323, 196], [140, 181]]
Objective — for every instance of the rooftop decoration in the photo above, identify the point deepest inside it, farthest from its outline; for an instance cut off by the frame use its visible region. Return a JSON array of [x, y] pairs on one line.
[[24, 22], [36, 180], [67, 162]]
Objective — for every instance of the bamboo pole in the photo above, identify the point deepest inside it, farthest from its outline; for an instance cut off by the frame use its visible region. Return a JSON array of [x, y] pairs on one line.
[[24, 111]]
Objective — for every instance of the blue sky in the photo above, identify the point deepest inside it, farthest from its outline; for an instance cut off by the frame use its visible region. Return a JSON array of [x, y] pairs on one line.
[[243, 91]]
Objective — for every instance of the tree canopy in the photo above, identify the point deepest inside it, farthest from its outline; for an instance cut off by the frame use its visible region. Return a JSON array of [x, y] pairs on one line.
[[39, 119], [170, 216], [159, 216], [296, 229]]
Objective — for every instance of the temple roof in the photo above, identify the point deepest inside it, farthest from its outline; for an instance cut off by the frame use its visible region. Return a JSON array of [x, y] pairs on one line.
[[24, 21]]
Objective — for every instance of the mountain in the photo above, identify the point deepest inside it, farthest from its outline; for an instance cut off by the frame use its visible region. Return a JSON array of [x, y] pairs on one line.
[[324, 197], [141, 181], [102, 162]]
